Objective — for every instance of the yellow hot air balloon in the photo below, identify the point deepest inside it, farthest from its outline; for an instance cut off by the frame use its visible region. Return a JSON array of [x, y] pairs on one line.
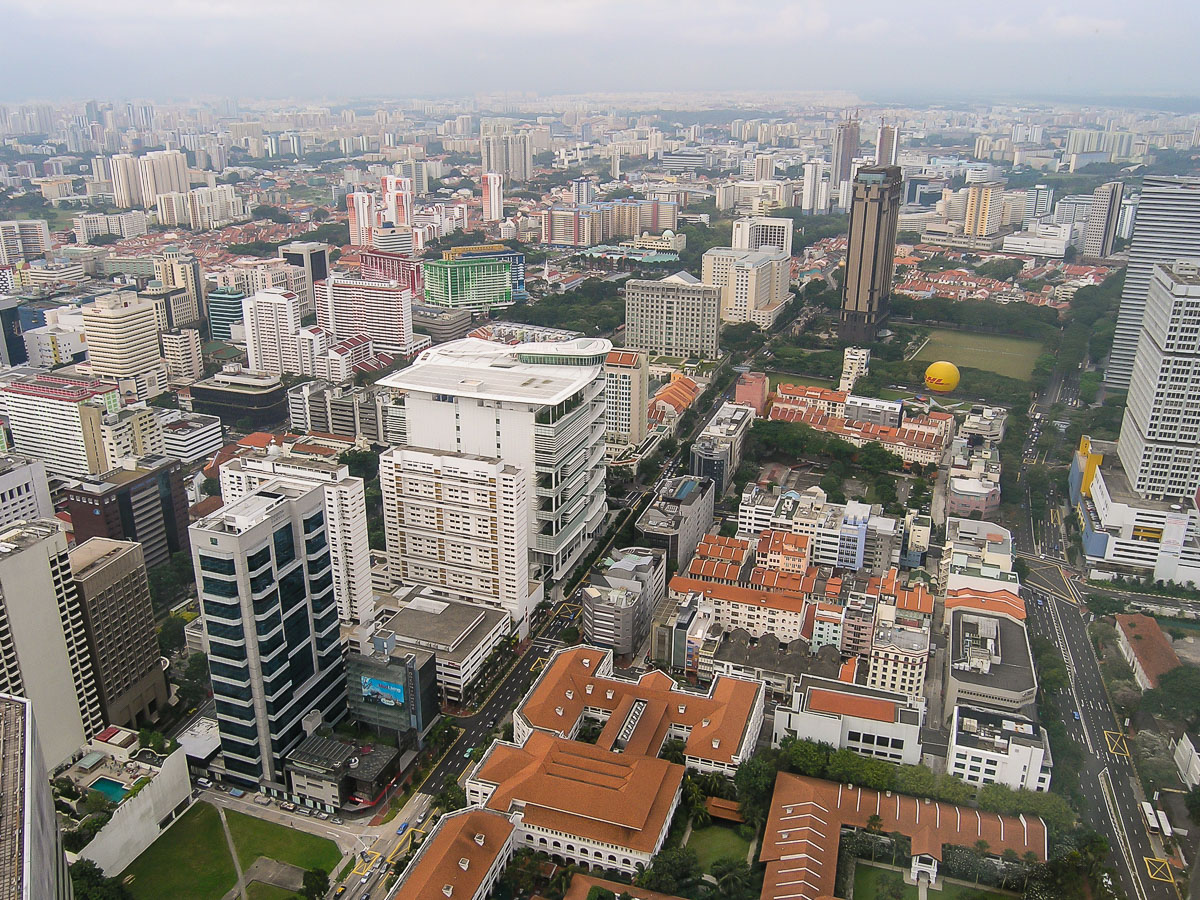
[[941, 377]]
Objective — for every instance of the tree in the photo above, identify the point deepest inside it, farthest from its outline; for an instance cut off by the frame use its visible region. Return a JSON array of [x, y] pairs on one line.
[[891, 886], [672, 751], [316, 884], [451, 798], [171, 635], [732, 875], [211, 487], [675, 870], [90, 883], [1193, 803]]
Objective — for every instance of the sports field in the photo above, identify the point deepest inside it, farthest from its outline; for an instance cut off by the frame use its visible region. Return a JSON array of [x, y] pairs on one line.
[[1004, 355]]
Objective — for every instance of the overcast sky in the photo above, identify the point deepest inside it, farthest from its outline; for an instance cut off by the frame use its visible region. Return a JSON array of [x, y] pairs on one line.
[[172, 49]]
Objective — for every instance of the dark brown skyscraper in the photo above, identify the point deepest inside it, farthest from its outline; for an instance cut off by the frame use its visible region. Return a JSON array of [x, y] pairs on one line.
[[871, 253]]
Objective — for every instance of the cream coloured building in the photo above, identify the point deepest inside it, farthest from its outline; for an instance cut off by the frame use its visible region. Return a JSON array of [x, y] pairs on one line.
[[674, 316], [753, 284]]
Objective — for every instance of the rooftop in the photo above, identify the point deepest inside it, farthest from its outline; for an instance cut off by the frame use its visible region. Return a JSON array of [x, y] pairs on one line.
[[492, 371], [96, 553], [839, 698], [991, 651], [457, 856], [1149, 645], [985, 729], [452, 628]]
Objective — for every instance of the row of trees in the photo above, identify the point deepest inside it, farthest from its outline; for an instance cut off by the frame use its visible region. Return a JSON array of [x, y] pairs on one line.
[[595, 307]]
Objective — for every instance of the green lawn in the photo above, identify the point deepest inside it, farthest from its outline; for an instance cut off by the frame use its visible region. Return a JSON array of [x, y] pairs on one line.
[[966, 892], [258, 890], [1011, 356], [190, 859], [778, 378], [715, 842], [866, 883], [257, 837]]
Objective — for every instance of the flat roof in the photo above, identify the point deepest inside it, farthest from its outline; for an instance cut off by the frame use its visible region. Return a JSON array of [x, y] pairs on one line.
[[1012, 671]]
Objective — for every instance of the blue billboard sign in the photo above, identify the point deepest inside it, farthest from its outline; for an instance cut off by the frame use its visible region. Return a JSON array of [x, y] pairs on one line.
[[382, 692]]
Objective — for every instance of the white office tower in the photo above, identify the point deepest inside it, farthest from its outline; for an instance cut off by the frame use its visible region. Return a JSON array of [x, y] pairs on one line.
[[511, 155], [126, 181], [1039, 200], [493, 197], [275, 653], [538, 407], [764, 167], [122, 340], [756, 232], [887, 145], [460, 523], [182, 350], [753, 284], [1167, 229], [162, 172], [582, 191], [25, 490], [1159, 446], [814, 192], [396, 239], [272, 322], [36, 866], [345, 517], [378, 309], [626, 395], [362, 217], [43, 645], [397, 199], [180, 269]]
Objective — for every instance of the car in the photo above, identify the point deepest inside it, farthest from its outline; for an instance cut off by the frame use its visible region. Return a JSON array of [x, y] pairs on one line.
[[365, 878], [323, 816], [341, 890], [338, 820], [403, 828], [467, 754], [203, 783], [1076, 715], [288, 807]]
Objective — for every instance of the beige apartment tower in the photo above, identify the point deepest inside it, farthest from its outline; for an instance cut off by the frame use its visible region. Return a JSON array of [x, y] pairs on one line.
[[677, 316], [871, 252], [114, 595]]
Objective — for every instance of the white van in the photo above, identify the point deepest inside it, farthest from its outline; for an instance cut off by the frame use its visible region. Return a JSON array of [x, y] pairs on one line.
[[203, 783]]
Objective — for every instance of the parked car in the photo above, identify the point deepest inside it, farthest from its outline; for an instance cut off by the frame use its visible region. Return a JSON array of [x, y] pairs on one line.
[[203, 783], [338, 820]]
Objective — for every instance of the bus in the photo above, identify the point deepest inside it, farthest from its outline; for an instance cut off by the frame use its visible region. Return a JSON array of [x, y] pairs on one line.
[[1166, 825], [1150, 817]]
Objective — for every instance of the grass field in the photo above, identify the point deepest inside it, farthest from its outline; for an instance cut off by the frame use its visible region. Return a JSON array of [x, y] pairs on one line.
[[778, 378], [866, 882], [191, 859], [257, 890], [966, 892], [1011, 356], [257, 837], [716, 842]]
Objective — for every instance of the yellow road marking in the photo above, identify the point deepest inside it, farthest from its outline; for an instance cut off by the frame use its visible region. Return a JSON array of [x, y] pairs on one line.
[[1116, 743], [1159, 869]]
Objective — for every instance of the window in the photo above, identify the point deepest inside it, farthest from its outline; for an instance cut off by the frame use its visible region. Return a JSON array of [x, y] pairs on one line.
[[219, 587], [285, 546], [217, 564]]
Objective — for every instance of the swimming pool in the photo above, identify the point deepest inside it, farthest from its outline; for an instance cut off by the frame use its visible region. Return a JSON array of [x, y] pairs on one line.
[[110, 788]]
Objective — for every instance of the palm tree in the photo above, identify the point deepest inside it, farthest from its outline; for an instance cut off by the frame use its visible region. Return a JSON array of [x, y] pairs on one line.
[[732, 875], [981, 849], [1031, 862], [874, 825], [1010, 857], [901, 845]]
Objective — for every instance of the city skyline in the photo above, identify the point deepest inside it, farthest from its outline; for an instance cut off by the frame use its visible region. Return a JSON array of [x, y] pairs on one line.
[[1048, 51]]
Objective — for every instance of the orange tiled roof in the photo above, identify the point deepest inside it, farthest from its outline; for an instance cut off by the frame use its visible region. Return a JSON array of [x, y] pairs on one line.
[[476, 835], [775, 599], [841, 704], [1154, 652], [622, 358], [800, 842], [1003, 602]]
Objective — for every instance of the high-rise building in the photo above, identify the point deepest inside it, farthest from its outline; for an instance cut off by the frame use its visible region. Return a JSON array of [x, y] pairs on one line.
[[275, 653], [510, 155], [676, 316], [35, 864], [460, 524], [181, 349], [311, 256], [985, 208], [493, 197], [397, 199], [845, 150], [116, 438], [477, 283], [272, 322], [126, 182], [753, 283], [1159, 446], [176, 268], [626, 395], [1039, 200], [1101, 228], [486, 399], [44, 653], [114, 595], [379, 309], [1167, 229], [417, 173], [162, 172], [122, 339], [224, 310], [363, 219], [870, 253], [23, 239], [345, 517], [582, 191], [144, 502], [887, 145], [814, 192], [24, 488], [756, 232], [45, 416], [764, 167]]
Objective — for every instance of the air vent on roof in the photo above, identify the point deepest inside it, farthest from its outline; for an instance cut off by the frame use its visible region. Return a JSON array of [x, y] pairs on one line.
[[570, 695], [464, 863], [558, 710], [587, 663], [479, 839], [588, 688], [448, 890], [716, 743], [704, 722], [608, 694], [682, 708]]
